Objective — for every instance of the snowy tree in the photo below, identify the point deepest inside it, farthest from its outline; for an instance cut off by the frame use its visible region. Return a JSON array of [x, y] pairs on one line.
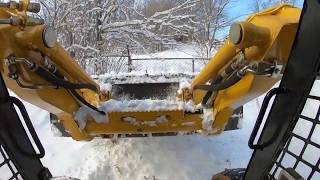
[[212, 15], [117, 22], [92, 30]]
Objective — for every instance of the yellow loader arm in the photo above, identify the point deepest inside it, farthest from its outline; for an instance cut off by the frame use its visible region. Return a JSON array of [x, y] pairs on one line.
[[41, 72]]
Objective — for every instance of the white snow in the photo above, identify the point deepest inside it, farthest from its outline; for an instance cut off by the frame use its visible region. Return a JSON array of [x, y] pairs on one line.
[[134, 77], [159, 120], [188, 123], [145, 105], [208, 119], [162, 119], [130, 119], [171, 66], [182, 85], [85, 113], [106, 87]]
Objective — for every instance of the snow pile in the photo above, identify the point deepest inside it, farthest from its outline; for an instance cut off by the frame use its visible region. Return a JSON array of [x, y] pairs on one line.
[[125, 105], [171, 66], [145, 105], [106, 87], [142, 77], [208, 119], [84, 113], [183, 85], [186, 51]]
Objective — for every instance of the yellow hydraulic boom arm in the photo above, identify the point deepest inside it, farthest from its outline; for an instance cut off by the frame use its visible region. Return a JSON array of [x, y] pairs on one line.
[[40, 71]]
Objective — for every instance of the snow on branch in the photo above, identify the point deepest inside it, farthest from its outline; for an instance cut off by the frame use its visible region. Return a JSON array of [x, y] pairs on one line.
[[83, 48], [94, 28]]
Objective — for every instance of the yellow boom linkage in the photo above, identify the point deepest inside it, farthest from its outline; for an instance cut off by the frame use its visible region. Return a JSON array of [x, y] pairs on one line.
[[40, 71]]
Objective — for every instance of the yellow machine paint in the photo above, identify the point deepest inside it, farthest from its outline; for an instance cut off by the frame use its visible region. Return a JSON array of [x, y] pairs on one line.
[[266, 36]]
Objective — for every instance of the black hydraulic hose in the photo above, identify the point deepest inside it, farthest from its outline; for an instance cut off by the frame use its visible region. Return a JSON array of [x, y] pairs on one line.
[[234, 78], [227, 72], [209, 93], [57, 73], [83, 101], [67, 85], [61, 82], [230, 69]]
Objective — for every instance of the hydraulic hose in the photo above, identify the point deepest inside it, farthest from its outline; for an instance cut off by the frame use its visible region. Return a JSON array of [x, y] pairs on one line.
[[209, 93], [84, 102], [234, 78], [67, 85], [231, 68], [61, 82]]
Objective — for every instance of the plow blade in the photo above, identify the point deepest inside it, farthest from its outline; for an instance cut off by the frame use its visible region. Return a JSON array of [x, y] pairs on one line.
[[154, 123], [161, 91]]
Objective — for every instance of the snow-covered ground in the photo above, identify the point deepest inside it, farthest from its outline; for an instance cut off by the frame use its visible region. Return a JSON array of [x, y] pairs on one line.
[[171, 66]]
